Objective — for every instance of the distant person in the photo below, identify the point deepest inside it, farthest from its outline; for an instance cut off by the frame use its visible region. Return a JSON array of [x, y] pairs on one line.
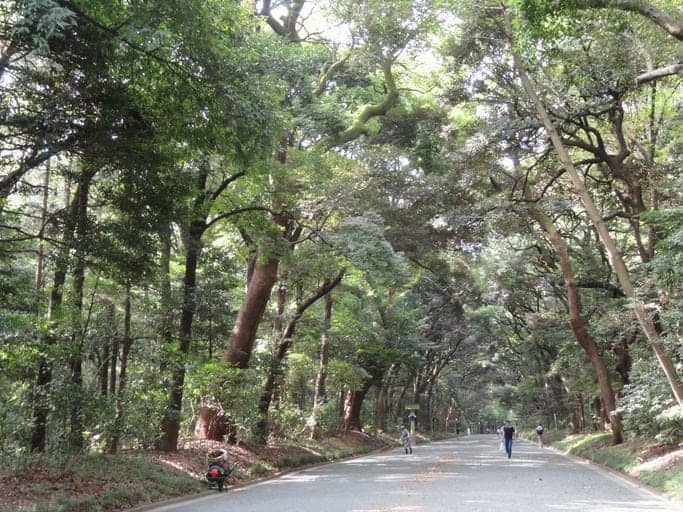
[[539, 433], [405, 439], [508, 434]]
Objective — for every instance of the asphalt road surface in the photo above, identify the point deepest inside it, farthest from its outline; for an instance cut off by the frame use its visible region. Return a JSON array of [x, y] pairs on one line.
[[466, 475]]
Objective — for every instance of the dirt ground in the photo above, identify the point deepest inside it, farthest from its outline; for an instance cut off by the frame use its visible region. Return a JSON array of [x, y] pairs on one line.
[[27, 489]]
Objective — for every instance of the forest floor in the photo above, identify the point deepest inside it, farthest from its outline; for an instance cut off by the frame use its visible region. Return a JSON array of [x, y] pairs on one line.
[[98, 483]]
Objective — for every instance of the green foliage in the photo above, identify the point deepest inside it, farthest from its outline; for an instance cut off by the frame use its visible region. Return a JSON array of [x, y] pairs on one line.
[[668, 262], [41, 21], [344, 374], [361, 240], [233, 390], [647, 404], [670, 424]]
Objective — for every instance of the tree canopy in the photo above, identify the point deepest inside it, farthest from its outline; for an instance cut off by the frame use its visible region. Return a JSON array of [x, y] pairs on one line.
[[239, 220]]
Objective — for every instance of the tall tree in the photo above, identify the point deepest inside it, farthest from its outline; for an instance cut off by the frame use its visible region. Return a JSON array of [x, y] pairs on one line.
[[615, 257]]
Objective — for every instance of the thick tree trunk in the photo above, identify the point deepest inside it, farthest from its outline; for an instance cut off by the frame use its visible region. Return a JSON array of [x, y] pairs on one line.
[[614, 256], [577, 324], [211, 424], [319, 394], [353, 404], [241, 341]]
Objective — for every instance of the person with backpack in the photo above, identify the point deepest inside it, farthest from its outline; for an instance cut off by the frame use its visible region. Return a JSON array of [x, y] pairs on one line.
[[539, 432]]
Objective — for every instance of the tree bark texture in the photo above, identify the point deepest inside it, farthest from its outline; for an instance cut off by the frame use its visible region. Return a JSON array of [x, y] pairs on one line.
[[353, 404], [243, 336]]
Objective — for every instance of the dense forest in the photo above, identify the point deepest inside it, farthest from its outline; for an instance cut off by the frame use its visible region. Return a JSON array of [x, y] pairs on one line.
[[256, 220]]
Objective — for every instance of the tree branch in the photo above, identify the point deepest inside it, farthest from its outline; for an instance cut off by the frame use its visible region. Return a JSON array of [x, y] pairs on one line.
[[655, 74], [358, 127]]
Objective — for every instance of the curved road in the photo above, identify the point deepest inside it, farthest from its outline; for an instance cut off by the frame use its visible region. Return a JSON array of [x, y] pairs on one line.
[[466, 475]]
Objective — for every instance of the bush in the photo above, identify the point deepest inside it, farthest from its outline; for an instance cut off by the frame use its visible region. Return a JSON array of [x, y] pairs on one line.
[[645, 401], [670, 423]]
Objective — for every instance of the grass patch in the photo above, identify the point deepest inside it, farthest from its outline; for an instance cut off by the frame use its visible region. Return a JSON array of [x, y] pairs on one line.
[[98, 483], [293, 461], [624, 457], [669, 480], [582, 444], [258, 469]]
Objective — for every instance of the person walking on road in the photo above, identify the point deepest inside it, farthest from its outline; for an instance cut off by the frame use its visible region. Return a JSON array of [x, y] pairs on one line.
[[539, 432], [405, 439], [508, 434]]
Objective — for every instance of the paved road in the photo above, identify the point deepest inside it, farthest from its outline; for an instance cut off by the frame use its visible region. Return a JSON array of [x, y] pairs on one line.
[[467, 475]]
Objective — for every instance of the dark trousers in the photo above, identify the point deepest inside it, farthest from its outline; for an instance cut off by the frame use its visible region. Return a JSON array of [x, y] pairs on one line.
[[508, 447]]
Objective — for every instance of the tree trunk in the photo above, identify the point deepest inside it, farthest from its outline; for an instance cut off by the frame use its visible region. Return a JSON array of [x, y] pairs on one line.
[[614, 256], [578, 326], [41, 234], [382, 401], [211, 424], [54, 318], [622, 357], [276, 367], [241, 341], [165, 287], [113, 442], [75, 440], [106, 348], [353, 406], [171, 420], [44, 374], [319, 394]]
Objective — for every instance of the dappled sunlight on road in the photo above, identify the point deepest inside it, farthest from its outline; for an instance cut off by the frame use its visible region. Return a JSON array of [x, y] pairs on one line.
[[467, 475]]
